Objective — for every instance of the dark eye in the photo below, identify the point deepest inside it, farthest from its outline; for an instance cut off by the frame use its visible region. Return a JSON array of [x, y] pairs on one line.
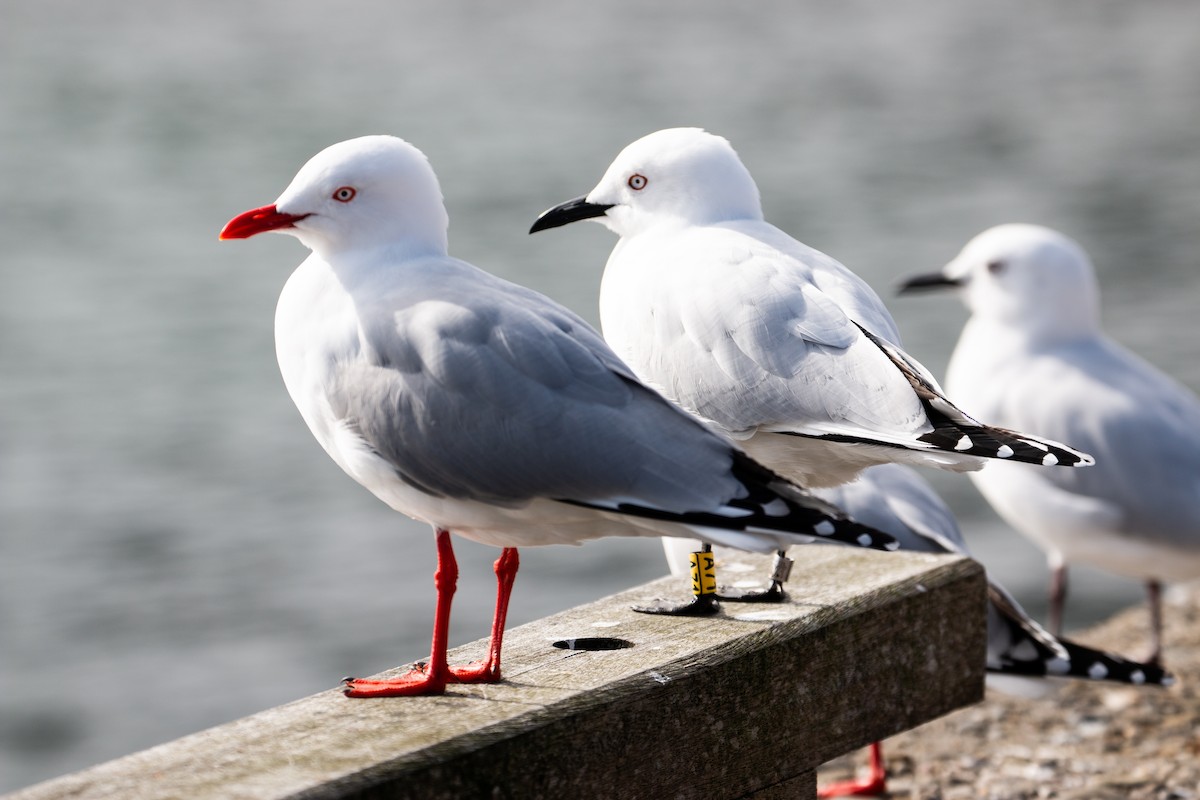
[[344, 194], [996, 267], [637, 182]]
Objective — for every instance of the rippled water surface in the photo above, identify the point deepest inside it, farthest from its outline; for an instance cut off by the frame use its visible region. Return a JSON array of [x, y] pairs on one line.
[[176, 551]]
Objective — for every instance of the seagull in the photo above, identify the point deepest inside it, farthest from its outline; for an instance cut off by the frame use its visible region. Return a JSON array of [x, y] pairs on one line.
[[484, 408], [778, 345], [1033, 354], [1021, 656]]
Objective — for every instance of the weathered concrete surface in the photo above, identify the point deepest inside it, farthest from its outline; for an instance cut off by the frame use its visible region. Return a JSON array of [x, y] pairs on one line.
[[746, 704]]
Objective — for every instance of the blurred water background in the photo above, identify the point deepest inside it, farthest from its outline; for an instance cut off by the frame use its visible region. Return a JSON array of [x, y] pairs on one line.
[[175, 549]]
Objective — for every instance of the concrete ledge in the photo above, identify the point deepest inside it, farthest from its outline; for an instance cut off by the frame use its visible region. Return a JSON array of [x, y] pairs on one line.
[[746, 704]]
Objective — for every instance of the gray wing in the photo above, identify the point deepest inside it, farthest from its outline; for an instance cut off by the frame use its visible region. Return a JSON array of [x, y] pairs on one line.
[[1142, 427], [475, 388], [893, 498], [755, 342], [853, 295]]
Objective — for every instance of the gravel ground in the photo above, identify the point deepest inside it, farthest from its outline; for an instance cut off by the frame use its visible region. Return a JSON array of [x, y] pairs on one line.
[[1094, 740]]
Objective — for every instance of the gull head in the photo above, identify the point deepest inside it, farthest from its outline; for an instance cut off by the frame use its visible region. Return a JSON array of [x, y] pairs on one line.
[[1025, 276], [680, 176], [365, 193]]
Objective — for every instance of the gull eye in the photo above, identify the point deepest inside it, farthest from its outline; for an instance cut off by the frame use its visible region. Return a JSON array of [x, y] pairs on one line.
[[996, 266], [344, 194], [637, 182]]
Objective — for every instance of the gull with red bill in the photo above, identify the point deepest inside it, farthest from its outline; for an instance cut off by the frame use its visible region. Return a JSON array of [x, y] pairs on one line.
[[484, 408]]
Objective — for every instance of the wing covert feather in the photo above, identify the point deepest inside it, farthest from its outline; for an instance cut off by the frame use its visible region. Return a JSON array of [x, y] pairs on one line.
[[462, 381]]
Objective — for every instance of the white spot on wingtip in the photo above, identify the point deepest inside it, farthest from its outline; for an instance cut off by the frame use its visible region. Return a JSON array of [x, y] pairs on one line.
[[1049, 459], [1168, 680], [1097, 671], [1138, 677], [1058, 666], [964, 443], [1004, 452], [865, 539], [658, 677], [824, 527], [776, 508], [1025, 650]]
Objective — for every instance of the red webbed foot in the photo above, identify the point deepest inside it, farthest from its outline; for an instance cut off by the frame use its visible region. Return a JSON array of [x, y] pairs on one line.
[[874, 784], [475, 672], [431, 677], [413, 683], [871, 786]]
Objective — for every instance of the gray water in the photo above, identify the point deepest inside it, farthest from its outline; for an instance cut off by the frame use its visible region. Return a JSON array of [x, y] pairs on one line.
[[176, 551]]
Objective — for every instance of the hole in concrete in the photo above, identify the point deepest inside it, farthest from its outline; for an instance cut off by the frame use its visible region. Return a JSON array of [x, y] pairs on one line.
[[593, 643]]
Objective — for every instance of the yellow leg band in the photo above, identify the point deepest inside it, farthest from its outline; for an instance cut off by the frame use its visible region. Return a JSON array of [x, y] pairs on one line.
[[704, 573]]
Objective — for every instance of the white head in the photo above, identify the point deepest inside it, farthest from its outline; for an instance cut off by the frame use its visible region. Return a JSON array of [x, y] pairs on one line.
[[366, 193], [673, 176], [1028, 277]]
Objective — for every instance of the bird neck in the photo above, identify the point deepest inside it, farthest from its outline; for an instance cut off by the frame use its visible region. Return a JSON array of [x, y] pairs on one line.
[[366, 268]]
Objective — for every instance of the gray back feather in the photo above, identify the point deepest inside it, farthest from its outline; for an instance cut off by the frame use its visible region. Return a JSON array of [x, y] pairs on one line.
[[475, 388]]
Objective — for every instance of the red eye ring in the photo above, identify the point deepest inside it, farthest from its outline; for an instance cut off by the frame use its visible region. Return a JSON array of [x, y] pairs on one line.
[[637, 182], [344, 194]]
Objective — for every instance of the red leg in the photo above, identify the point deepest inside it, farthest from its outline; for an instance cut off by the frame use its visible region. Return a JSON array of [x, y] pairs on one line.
[[433, 677], [488, 671], [874, 784]]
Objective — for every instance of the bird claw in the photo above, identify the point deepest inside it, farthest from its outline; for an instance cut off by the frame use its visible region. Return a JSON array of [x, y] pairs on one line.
[[475, 672], [873, 784], [871, 787], [772, 594], [412, 683], [418, 681], [704, 605]]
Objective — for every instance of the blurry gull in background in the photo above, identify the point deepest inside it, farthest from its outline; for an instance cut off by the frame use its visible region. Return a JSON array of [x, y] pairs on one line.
[[1033, 355]]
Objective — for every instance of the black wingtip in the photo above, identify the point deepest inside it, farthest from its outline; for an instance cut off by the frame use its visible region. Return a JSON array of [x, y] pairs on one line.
[[770, 504], [1098, 665], [989, 441], [807, 515], [955, 431]]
